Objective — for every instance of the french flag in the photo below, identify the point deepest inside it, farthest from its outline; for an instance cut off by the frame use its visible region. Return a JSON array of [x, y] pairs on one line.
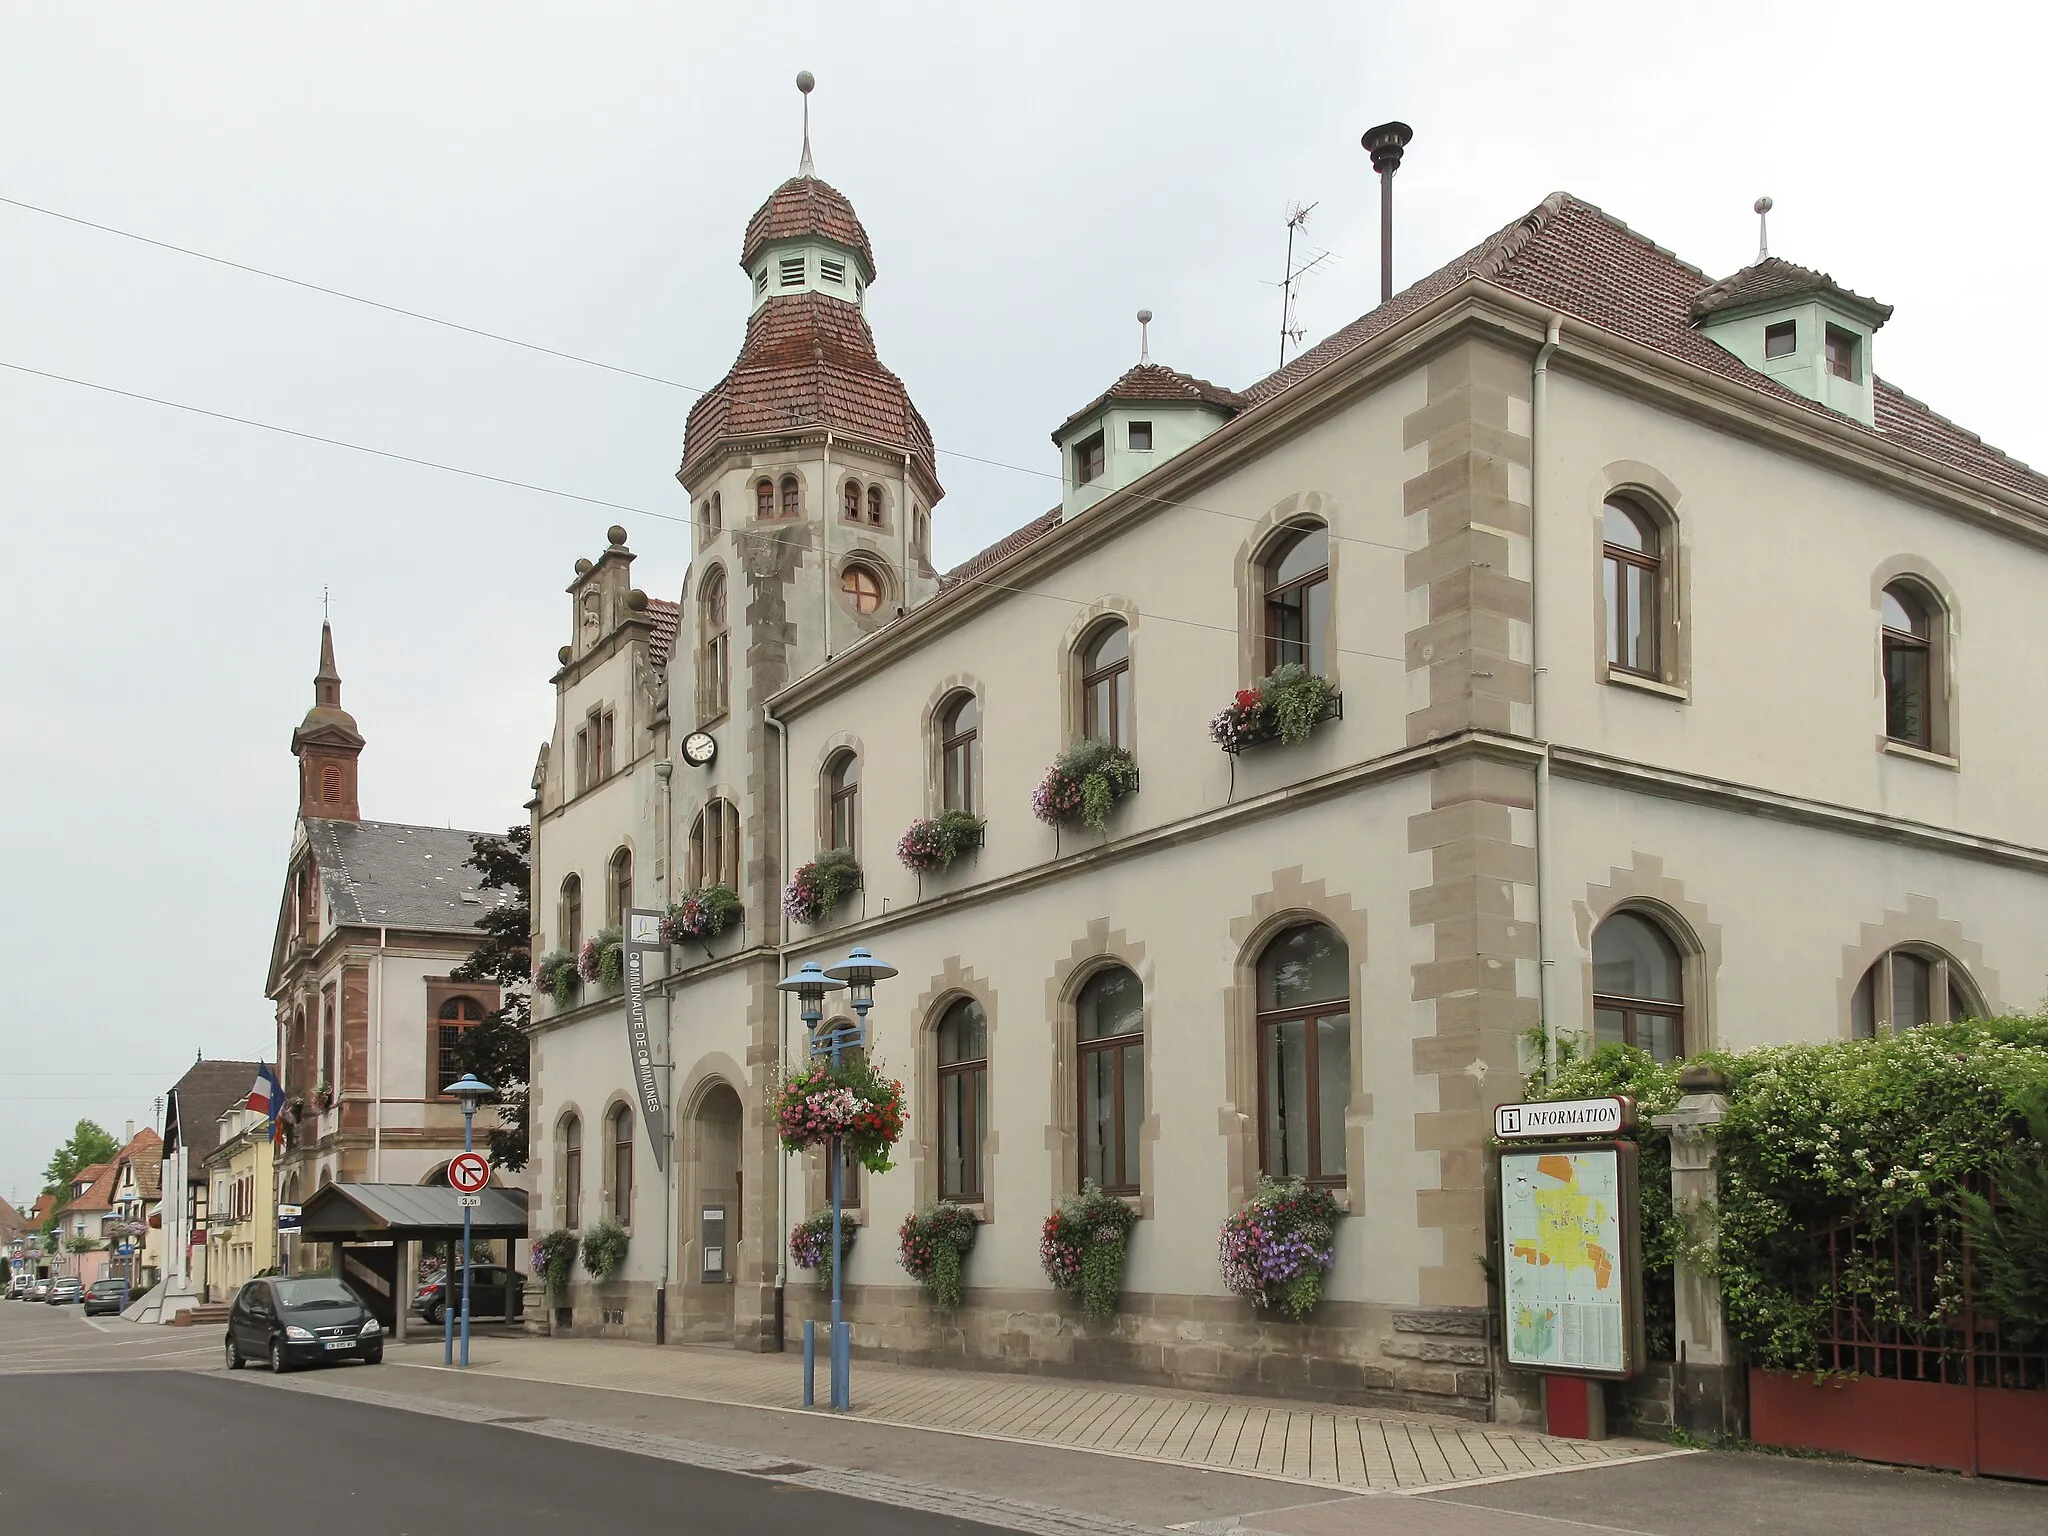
[[267, 1095]]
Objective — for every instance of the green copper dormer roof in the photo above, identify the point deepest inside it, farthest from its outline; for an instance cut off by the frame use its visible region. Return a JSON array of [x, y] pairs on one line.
[[1776, 281], [1150, 382]]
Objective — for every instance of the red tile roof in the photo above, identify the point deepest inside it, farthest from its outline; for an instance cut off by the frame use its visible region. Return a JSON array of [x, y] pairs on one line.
[[809, 362], [1775, 278], [1151, 381], [666, 619], [801, 206], [99, 1194], [1018, 538]]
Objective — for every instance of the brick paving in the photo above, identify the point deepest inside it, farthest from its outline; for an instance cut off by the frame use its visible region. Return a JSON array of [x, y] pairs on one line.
[[1304, 1443]]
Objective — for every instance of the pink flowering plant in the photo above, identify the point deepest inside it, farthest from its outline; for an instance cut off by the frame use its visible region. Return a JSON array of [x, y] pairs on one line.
[[1276, 1251], [932, 1243], [854, 1102], [703, 914], [1084, 784], [1081, 1247], [603, 959], [810, 1244], [934, 842], [1284, 706], [815, 889]]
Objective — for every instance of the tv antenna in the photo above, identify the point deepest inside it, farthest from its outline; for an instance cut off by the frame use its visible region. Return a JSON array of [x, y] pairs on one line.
[[1290, 328]]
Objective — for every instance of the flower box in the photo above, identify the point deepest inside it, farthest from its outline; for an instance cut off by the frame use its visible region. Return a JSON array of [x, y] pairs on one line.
[[1084, 784], [1276, 1251], [817, 888], [1283, 707], [810, 1243], [1082, 1245], [701, 915], [851, 1102], [932, 1243], [555, 974], [602, 961], [934, 842]]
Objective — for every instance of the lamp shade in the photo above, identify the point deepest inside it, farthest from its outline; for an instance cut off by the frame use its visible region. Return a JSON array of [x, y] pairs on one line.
[[469, 1088], [809, 981], [860, 969]]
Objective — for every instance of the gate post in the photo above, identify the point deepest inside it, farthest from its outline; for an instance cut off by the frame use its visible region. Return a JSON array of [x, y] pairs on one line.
[[1707, 1396]]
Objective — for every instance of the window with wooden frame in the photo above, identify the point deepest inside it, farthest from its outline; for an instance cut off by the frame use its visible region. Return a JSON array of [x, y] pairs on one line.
[[1782, 339], [714, 684], [1109, 1019], [1631, 564], [842, 802], [458, 1015], [1106, 684], [764, 499], [1842, 347], [715, 846], [1910, 681], [621, 1136], [851, 502], [1638, 986], [1088, 460], [618, 887], [861, 588], [1140, 437], [874, 506], [572, 1171], [1296, 605], [963, 1100], [1304, 1042], [960, 753], [569, 914], [791, 496], [1911, 986]]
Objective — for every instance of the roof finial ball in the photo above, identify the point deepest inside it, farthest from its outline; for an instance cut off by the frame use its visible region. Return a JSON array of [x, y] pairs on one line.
[[1763, 206], [807, 83], [1144, 336], [615, 536]]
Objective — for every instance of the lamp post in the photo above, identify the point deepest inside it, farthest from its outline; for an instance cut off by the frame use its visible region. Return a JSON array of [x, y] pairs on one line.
[[858, 973], [472, 1090], [810, 984]]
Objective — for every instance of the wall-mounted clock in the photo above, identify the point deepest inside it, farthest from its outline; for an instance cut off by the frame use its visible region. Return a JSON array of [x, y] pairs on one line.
[[699, 747]]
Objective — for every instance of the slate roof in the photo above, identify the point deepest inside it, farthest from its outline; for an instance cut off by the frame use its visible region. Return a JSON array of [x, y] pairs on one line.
[[801, 206], [385, 874], [666, 618], [1153, 381], [200, 1097], [1775, 278]]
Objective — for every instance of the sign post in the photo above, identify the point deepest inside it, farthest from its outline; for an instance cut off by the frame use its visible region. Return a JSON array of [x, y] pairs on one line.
[[1570, 1253], [467, 1175]]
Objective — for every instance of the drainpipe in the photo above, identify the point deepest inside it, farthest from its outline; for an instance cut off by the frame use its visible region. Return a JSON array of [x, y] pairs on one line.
[[782, 1033], [662, 772], [1539, 393], [377, 1063], [825, 516]]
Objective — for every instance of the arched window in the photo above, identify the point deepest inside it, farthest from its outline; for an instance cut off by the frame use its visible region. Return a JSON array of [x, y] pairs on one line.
[[715, 846], [875, 505], [1638, 986], [764, 499], [572, 1171], [714, 515], [963, 1100], [714, 685], [1297, 599], [1106, 685], [853, 501], [861, 587], [921, 543], [458, 1014], [330, 785], [1909, 665], [621, 1131], [618, 888], [1110, 1053], [1630, 570], [842, 802], [1911, 986], [1304, 1027], [789, 496], [960, 753], [570, 915]]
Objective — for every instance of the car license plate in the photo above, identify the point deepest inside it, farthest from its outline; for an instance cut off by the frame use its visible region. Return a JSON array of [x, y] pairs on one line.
[[341, 1344]]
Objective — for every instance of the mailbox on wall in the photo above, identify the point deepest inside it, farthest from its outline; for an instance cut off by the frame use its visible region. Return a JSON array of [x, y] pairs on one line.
[[711, 1242]]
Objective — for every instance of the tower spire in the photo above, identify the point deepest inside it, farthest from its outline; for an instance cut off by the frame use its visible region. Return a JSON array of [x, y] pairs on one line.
[[327, 744], [327, 681], [806, 82], [1763, 228]]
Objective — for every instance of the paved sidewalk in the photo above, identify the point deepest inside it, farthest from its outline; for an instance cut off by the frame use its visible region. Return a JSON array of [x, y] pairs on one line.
[[1336, 1448]]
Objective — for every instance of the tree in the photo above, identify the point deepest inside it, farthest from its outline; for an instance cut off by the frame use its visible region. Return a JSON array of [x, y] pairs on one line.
[[89, 1144], [495, 1050]]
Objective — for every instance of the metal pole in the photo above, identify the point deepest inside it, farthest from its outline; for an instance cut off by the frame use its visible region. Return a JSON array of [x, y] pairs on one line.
[[447, 1301], [1387, 233], [839, 1384], [468, 1122]]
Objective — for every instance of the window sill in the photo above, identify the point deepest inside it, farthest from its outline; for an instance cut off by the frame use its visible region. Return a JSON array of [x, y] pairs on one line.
[[1921, 755], [1621, 679]]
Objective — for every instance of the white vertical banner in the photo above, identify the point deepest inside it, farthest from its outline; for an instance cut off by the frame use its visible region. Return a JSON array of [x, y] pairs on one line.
[[643, 935]]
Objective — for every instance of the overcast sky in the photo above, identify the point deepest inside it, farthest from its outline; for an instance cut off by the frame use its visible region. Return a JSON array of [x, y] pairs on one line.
[[579, 176]]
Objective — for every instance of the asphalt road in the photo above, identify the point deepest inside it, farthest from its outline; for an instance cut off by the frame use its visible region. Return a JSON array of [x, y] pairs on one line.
[[89, 1453]]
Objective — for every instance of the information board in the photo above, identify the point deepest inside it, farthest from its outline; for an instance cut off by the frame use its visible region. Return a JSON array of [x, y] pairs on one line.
[[1570, 1272]]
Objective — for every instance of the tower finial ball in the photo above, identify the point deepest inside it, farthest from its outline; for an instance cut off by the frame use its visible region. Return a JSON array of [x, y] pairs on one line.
[[806, 81], [1144, 317], [1763, 205]]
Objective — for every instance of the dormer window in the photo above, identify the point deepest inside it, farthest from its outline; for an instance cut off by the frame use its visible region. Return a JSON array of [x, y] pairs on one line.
[[792, 271], [831, 271], [1782, 339], [1842, 353], [1141, 436], [761, 281], [1088, 460]]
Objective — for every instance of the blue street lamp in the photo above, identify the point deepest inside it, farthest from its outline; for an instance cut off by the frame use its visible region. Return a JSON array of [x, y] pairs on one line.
[[858, 973], [472, 1090], [810, 985]]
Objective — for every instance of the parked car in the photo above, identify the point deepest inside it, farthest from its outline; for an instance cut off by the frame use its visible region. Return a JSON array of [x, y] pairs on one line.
[[66, 1289], [40, 1291], [19, 1284], [486, 1296], [289, 1322], [106, 1294]]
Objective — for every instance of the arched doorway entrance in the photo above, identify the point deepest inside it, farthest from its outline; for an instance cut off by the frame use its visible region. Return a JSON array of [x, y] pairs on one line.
[[708, 1260]]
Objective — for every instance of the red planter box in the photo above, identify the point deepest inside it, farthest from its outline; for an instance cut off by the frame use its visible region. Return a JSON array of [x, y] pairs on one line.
[[1912, 1423]]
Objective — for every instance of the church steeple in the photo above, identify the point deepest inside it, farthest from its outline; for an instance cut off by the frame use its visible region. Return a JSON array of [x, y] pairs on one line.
[[327, 745]]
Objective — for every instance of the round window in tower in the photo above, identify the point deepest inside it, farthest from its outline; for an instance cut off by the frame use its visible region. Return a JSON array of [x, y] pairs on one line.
[[861, 587]]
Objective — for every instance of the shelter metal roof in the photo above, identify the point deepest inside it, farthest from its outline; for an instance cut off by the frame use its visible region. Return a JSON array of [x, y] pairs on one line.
[[337, 1212]]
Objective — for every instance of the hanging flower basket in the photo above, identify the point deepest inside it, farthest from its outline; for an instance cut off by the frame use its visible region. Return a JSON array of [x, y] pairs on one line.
[[810, 1244], [603, 960], [1276, 1251], [934, 842], [856, 1103], [932, 1243], [1081, 1247], [554, 1257], [604, 1250], [1084, 784], [1283, 707], [323, 1097], [817, 888], [703, 914], [555, 974]]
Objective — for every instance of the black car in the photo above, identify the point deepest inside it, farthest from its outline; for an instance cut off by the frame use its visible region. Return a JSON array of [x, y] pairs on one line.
[[290, 1322], [106, 1295], [486, 1296]]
